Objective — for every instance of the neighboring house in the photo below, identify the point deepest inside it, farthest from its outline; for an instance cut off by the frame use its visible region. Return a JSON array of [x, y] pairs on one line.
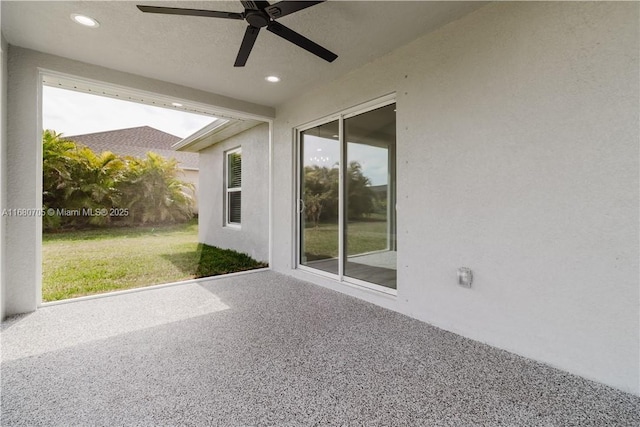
[[137, 142], [505, 141]]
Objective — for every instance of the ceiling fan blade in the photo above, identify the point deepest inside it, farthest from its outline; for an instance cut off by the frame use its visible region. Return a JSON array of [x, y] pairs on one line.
[[285, 8], [190, 12], [255, 5], [248, 41], [300, 40]]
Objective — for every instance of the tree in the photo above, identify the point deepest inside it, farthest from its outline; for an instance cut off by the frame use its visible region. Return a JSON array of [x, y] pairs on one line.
[[77, 179], [359, 194], [153, 192], [59, 158], [321, 193], [94, 186]]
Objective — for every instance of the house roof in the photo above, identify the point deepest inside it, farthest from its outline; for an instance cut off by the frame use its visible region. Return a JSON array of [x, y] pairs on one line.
[[137, 142], [213, 133]]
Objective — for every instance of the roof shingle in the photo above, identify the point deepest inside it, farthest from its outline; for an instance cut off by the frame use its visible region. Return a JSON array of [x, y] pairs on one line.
[[137, 142]]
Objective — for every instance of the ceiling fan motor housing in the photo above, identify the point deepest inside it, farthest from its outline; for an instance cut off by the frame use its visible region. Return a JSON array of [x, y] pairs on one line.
[[257, 18]]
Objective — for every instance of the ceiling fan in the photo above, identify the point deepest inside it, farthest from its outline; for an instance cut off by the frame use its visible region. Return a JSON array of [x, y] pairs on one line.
[[258, 14]]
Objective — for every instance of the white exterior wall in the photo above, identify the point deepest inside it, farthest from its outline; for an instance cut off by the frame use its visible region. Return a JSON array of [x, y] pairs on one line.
[[252, 237], [22, 256], [3, 166], [517, 157], [191, 176], [23, 235]]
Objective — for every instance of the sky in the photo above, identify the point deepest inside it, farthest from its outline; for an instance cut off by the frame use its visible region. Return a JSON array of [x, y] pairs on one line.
[[326, 152], [76, 113]]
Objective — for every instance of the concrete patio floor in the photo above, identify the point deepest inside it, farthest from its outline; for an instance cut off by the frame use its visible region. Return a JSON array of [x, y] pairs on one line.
[[265, 349]]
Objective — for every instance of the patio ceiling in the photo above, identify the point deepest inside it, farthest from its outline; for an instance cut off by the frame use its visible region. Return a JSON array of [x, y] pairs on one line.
[[199, 52]]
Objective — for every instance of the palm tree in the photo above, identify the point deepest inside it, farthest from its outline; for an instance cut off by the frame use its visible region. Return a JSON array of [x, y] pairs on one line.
[[152, 191], [58, 160], [320, 193], [359, 194], [76, 178], [94, 185]]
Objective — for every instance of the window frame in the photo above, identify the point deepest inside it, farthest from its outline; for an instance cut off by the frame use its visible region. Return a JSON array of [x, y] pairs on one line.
[[231, 190]]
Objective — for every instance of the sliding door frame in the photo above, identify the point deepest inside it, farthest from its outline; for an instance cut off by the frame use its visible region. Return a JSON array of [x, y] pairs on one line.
[[297, 247]]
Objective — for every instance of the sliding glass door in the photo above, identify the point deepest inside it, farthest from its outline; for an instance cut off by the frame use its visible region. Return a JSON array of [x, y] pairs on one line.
[[370, 182], [347, 197], [319, 199]]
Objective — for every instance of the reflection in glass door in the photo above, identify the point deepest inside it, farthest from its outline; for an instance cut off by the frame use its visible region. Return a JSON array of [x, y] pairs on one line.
[[318, 203], [370, 197], [347, 222]]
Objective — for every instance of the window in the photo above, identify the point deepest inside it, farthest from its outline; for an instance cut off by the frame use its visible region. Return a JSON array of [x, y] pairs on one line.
[[233, 187]]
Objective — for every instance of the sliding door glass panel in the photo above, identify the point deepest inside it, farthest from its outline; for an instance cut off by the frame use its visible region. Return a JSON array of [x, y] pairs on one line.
[[370, 197], [319, 192]]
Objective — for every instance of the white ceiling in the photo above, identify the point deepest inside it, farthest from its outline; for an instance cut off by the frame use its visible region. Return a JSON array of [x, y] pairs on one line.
[[199, 52]]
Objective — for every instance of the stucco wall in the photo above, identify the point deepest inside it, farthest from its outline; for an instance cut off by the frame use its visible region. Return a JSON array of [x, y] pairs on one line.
[[23, 234], [3, 166], [24, 176], [191, 176], [253, 235], [517, 157]]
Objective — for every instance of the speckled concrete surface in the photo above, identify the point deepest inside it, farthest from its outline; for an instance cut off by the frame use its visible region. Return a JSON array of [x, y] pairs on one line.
[[267, 350]]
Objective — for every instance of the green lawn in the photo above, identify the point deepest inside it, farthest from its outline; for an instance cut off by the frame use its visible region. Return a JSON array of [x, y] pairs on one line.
[[89, 262], [321, 242]]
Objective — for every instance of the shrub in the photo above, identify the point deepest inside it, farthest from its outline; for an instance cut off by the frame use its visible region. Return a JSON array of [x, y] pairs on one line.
[[153, 193], [76, 178]]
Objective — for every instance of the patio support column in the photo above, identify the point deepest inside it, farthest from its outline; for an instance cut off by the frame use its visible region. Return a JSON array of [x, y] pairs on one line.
[[24, 187], [3, 167]]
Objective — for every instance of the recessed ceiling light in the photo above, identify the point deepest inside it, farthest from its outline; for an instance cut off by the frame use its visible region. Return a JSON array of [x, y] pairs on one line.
[[176, 104], [272, 79], [85, 20]]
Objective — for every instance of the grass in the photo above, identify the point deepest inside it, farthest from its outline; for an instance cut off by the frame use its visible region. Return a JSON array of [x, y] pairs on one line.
[[321, 242], [95, 261]]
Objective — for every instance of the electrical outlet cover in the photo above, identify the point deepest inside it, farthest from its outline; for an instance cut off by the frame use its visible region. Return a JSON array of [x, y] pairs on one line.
[[465, 277]]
